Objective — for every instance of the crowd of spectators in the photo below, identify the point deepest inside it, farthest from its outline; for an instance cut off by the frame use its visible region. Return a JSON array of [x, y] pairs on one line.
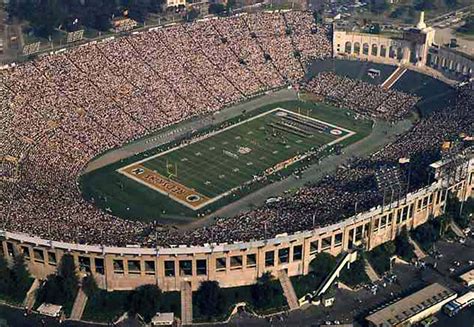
[[352, 188], [362, 97], [61, 110]]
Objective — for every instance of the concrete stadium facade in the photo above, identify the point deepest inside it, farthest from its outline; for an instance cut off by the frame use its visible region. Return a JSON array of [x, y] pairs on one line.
[[238, 264], [413, 47]]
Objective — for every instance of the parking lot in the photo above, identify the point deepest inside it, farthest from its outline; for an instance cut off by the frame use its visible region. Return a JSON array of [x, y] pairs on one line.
[[449, 260]]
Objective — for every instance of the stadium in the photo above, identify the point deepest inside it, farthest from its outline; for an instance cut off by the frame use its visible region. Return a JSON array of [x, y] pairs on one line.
[[137, 154]]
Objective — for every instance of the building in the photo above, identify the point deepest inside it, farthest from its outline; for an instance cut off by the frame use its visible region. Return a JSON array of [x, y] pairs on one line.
[[175, 3], [414, 46], [410, 47], [468, 278], [51, 310], [241, 263], [163, 319], [459, 304], [413, 308], [451, 61]]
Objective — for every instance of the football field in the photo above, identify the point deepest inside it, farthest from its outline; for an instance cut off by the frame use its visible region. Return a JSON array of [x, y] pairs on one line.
[[207, 168], [211, 165]]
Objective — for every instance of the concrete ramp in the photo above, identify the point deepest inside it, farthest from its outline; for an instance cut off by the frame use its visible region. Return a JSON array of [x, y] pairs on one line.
[[30, 297], [346, 259], [186, 303], [288, 290], [369, 270], [392, 79], [456, 229], [79, 305], [420, 254]]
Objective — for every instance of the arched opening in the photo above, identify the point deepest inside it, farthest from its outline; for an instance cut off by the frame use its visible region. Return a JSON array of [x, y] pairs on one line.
[[391, 52], [443, 62], [451, 65], [464, 70], [399, 53], [357, 48], [365, 49], [383, 51], [374, 49], [348, 47]]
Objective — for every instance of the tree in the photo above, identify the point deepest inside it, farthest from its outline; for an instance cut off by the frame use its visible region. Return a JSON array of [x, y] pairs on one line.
[[61, 288], [451, 3], [210, 300], [378, 6], [390, 247], [468, 26], [217, 9], [403, 246], [5, 276], [425, 5], [317, 17], [322, 265], [47, 16], [355, 274], [70, 281], [192, 14], [145, 301], [20, 276], [374, 28], [379, 257], [262, 291], [89, 285], [230, 4]]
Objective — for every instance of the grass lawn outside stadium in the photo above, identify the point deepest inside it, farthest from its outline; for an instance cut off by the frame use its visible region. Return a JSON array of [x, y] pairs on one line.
[[176, 182]]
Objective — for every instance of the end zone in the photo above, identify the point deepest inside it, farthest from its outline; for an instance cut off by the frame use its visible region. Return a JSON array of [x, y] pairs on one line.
[[166, 186]]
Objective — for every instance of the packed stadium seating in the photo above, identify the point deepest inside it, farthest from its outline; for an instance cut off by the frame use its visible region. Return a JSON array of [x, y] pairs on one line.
[[61, 110]]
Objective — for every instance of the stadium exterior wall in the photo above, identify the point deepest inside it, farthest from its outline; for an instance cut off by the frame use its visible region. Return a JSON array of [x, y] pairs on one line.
[[452, 61], [124, 268]]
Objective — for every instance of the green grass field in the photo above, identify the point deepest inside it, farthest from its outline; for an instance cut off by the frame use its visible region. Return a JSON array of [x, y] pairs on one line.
[[221, 161], [236, 151]]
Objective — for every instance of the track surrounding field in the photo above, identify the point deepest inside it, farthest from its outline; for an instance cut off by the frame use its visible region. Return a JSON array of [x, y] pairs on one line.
[[207, 168]]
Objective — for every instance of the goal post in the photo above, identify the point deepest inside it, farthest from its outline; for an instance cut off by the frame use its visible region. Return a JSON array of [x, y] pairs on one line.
[[171, 169]]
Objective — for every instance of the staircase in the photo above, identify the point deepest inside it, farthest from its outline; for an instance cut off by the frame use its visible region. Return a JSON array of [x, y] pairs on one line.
[[186, 303], [79, 305], [392, 79], [288, 290], [30, 297]]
